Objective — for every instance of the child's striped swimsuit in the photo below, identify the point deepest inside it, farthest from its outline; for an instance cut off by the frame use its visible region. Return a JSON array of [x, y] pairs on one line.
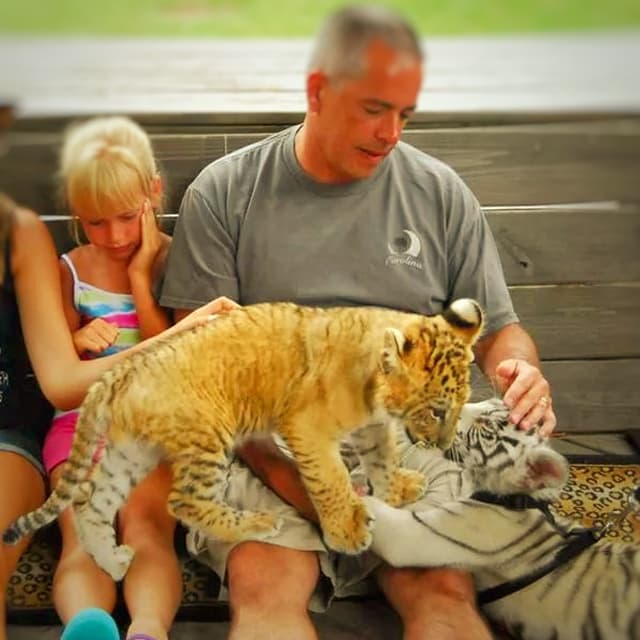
[[91, 302]]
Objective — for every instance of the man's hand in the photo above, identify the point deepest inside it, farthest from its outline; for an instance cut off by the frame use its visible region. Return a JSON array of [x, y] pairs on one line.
[[527, 393], [95, 337]]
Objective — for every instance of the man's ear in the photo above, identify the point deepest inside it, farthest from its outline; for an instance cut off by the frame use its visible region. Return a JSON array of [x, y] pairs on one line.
[[157, 189], [316, 81]]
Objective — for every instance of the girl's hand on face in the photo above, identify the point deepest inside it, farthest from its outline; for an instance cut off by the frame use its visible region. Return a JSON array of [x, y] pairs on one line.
[[150, 243], [95, 337]]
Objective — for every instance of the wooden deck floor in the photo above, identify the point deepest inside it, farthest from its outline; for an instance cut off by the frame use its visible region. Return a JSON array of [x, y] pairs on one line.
[[344, 621], [261, 81]]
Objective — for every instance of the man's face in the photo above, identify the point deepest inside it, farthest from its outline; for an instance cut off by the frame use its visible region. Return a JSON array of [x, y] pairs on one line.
[[359, 120]]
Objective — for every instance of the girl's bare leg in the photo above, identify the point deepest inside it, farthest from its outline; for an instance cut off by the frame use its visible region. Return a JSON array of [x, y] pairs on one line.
[[15, 471], [153, 584], [78, 582]]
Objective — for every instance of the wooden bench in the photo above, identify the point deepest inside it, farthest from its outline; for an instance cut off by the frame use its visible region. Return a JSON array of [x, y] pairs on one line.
[[562, 196], [561, 192]]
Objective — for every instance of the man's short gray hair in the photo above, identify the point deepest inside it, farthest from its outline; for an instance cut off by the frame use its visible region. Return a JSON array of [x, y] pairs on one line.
[[343, 38]]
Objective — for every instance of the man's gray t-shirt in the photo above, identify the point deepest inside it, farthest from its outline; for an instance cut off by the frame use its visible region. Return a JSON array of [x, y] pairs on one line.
[[254, 227]]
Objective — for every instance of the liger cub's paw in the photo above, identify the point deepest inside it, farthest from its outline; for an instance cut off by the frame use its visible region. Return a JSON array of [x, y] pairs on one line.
[[407, 486], [244, 525], [351, 534], [118, 565], [82, 494], [259, 525], [446, 438]]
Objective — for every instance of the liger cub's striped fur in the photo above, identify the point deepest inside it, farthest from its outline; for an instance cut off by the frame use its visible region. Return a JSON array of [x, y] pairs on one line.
[[595, 596], [309, 375]]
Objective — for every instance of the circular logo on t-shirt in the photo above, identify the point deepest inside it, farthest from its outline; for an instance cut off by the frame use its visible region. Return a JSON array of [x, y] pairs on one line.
[[408, 244]]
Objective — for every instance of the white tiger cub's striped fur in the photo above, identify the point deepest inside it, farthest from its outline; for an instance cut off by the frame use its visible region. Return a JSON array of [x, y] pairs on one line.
[[309, 375], [596, 596]]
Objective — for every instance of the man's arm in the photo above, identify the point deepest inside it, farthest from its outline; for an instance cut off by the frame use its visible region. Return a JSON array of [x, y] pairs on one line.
[[200, 263], [509, 358], [507, 355]]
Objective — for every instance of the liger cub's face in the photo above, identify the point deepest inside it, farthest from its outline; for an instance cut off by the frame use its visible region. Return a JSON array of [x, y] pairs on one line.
[[426, 372]]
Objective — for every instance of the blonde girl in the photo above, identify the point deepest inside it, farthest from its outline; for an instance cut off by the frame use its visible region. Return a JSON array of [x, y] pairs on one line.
[[34, 338], [111, 185]]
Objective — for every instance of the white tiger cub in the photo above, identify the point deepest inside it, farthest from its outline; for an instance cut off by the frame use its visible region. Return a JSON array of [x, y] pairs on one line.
[[309, 375], [594, 596]]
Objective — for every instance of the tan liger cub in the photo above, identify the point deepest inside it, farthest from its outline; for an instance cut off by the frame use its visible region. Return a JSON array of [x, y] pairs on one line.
[[309, 375]]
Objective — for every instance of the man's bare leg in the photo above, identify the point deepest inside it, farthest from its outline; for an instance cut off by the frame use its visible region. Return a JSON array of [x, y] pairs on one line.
[[269, 592], [434, 604]]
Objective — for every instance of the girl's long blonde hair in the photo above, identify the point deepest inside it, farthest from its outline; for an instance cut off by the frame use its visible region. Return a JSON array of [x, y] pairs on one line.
[[105, 163]]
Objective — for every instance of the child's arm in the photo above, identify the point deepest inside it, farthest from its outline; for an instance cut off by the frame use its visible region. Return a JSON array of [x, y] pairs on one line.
[[94, 337], [146, 261], [68, 306], [63, 377]]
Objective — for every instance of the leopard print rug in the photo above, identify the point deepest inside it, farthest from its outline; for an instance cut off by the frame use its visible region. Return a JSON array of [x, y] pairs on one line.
[[593, 492]]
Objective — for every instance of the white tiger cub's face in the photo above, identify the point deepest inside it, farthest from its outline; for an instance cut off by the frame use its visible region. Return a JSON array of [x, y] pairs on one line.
[[503, 459], [425, 372]]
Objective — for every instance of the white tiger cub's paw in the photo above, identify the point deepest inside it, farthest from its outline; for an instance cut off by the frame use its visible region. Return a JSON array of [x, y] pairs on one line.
[[117, 564], [350, 530], [406, 487]]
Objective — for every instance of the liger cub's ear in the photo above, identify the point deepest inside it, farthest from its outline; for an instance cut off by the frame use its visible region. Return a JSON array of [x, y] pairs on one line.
[[394, 341], [465, 315]]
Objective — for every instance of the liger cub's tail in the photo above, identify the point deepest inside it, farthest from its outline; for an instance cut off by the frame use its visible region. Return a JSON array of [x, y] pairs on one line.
[[93, 422]]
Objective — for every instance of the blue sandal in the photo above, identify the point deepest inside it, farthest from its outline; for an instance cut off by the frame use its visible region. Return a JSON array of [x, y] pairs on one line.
[[93, 623]]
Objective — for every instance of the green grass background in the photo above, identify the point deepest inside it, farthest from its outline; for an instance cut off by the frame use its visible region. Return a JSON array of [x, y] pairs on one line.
[[277, 18]]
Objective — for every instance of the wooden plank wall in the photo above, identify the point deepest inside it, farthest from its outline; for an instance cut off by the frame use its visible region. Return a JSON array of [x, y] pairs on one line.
[[562, 198]]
